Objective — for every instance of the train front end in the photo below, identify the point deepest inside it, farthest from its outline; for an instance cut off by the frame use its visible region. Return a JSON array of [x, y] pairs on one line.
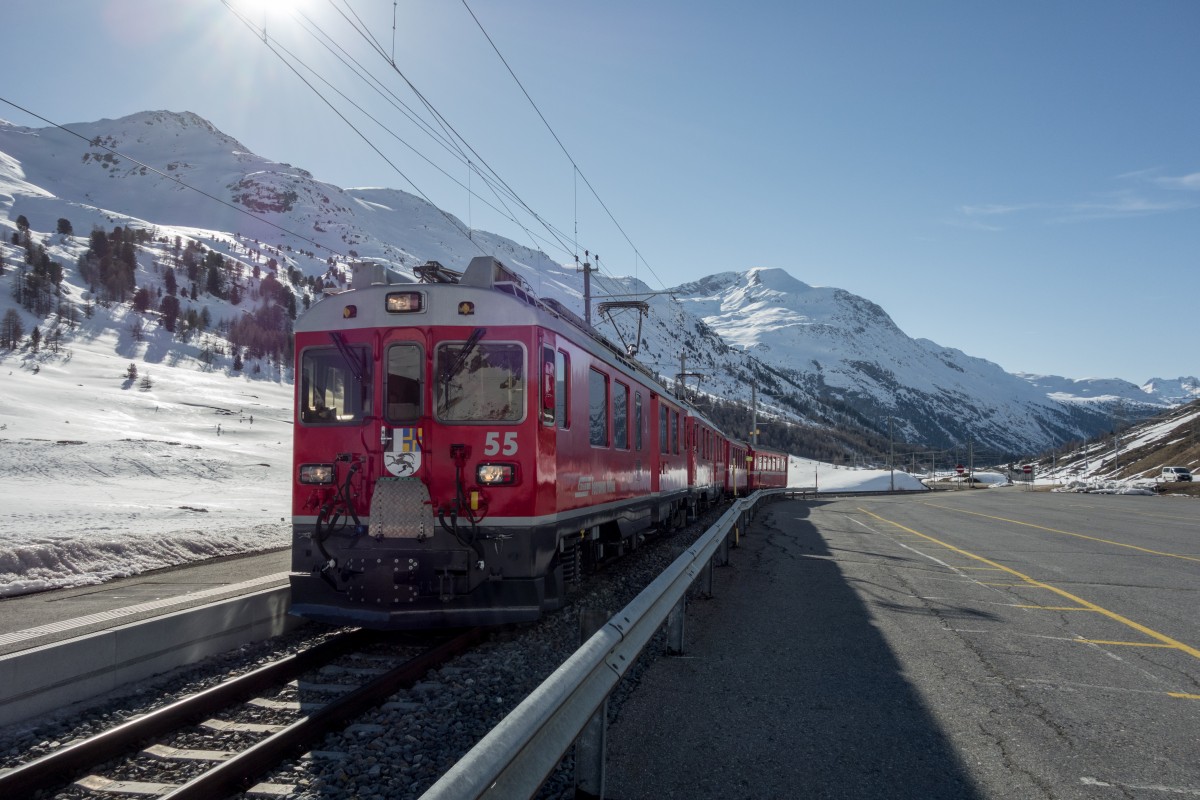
[[415, 474]]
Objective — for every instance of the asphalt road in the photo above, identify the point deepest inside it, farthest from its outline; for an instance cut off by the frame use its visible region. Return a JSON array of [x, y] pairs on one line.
[[979, 644]]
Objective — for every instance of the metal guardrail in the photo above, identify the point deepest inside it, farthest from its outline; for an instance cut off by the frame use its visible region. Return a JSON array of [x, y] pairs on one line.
[[516, 757]]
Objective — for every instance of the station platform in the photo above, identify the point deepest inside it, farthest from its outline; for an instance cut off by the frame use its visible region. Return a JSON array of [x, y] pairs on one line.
[[72, 645], [43, 618]]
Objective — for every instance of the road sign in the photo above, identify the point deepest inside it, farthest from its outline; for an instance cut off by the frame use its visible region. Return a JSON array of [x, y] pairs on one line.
[[1028, 468], [961, 469]]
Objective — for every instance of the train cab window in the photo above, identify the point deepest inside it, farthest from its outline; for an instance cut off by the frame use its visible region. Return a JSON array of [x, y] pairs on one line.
[[561, 389], [332, 389], [637, 420], [478, 381], [621, 416], [597, 408], [402, 401]]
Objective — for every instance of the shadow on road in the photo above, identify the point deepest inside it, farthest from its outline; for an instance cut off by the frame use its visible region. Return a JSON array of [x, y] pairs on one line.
[[786, 690]]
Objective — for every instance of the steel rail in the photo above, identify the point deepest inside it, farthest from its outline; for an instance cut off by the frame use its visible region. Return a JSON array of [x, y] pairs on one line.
[[62, 765], [239, 772]]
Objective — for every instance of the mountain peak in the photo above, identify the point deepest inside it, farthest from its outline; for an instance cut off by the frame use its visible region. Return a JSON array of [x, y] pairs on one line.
[[775, 279]]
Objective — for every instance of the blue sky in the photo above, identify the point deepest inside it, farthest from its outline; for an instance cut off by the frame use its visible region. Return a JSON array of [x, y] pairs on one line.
[[1018, 180]]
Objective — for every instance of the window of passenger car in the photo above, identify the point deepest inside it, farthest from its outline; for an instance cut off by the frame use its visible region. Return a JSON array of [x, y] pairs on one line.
[[664, 432], [637, 420], [561, 389], [597, 408], [621, 416]]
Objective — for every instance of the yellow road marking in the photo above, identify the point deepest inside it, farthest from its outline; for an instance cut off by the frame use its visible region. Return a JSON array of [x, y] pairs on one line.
[[1124, 644], [1137, 626], [980, 569], [1067, 533], [1056, 608], [1191, 520], [1184, 695]]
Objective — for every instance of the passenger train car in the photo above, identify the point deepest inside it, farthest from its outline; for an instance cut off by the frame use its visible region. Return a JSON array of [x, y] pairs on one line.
[[767, 468], [463, 449]]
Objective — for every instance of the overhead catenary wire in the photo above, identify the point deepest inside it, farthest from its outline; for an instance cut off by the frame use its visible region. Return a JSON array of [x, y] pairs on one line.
[[441, 138], [338, 52], [372, 44], [496, 184], [449, 137], [344, 118], [563, 147]]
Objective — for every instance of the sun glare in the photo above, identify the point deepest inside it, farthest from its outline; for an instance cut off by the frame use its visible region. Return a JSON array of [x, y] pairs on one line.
[[259, 10]]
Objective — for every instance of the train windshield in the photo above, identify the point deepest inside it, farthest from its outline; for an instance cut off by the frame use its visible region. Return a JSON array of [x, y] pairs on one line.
[[335, 385], [479, 381]]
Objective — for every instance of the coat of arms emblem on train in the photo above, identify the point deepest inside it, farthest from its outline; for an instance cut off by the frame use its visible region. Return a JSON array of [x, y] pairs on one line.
[[404, 458]]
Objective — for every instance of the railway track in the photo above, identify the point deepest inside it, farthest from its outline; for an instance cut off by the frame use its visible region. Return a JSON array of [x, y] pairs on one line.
[[218, 742]]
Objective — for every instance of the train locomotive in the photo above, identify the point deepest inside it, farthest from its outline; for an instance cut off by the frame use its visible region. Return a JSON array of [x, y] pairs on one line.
[[464, 450]]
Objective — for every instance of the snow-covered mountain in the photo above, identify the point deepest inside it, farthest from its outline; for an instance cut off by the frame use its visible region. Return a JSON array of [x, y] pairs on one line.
[[1173, 390], [841, 347], [820, 356], [1114, 391]]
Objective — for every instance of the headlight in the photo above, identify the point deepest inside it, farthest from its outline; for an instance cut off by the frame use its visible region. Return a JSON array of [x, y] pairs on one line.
[[316, 473], [405, 302], [496, 474]]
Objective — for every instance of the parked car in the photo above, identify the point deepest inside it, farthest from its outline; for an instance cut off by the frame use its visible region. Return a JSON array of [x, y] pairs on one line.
[[1176, 474]]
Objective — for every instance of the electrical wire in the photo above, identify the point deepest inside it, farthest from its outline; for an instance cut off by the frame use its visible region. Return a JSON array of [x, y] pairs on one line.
[[372, 44], [637, 253], [338, 52], [390, 97], [453, 222]]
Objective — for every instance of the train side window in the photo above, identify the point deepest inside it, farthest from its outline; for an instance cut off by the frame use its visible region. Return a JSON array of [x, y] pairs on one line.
[[332, 390], [664, 433], [404, 367], [621, 416], [637, 420], [561, 389], [675, 432], [597, 408], [546, 386]]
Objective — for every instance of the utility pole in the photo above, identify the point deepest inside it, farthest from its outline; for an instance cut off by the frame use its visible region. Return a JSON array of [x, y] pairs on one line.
[[754, 414], [588, 269], [971, 463], [891, 457]]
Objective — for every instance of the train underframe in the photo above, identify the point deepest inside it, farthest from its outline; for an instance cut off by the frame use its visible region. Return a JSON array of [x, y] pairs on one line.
[[401, 568]]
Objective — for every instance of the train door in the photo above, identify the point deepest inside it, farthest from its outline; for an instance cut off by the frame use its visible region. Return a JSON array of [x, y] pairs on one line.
[[401, 423], [552, 406]]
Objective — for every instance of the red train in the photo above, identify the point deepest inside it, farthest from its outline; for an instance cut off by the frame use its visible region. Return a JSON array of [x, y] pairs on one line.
[[463, 449]]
